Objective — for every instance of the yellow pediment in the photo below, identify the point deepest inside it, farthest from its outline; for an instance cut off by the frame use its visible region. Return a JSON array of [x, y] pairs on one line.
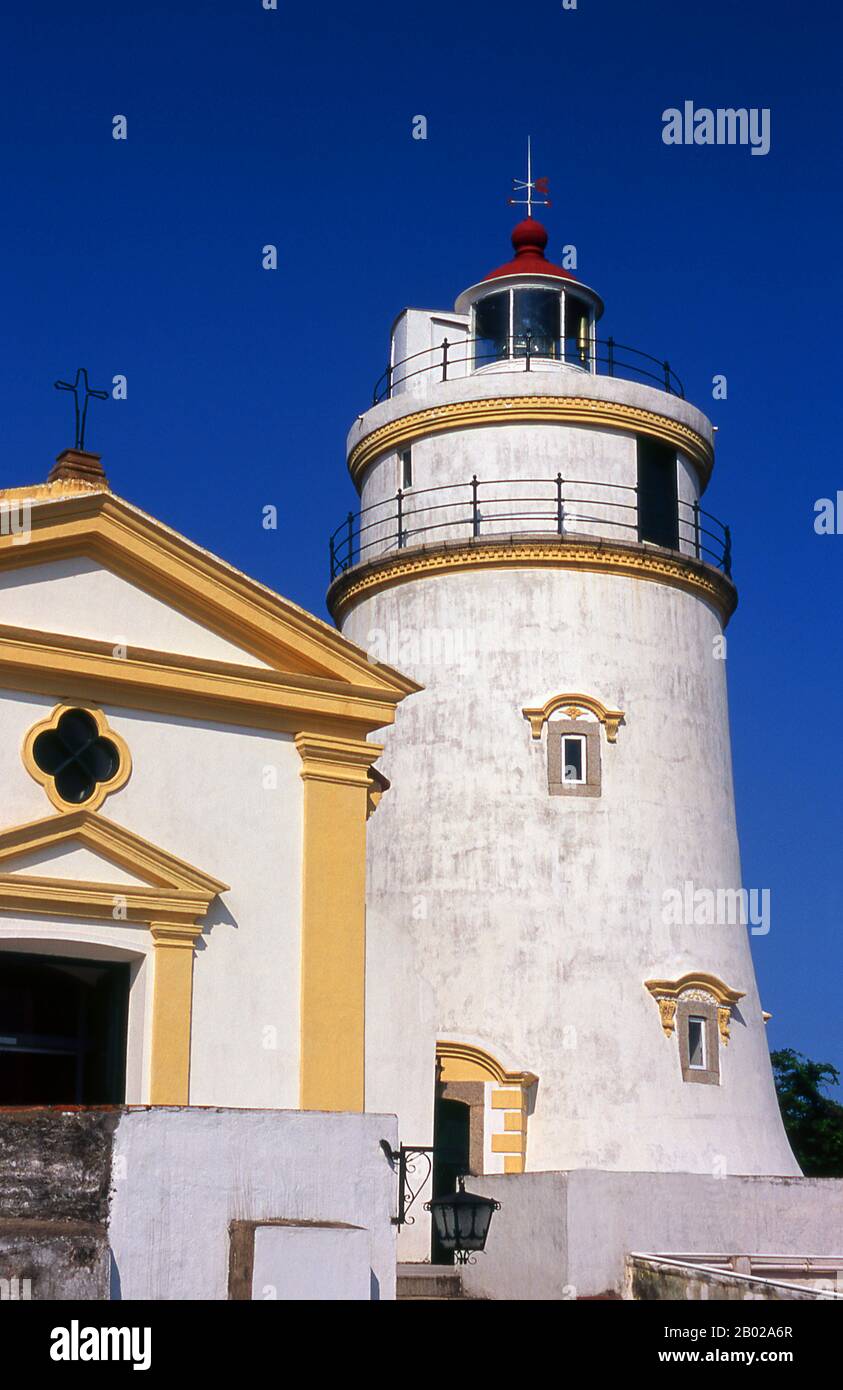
[[153, 883], [123, 539], [312, 677]]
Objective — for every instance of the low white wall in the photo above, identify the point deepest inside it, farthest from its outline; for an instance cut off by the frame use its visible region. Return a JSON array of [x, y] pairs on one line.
[[180, 1176], [307, 1262], [526, 1255], [567, 1235]]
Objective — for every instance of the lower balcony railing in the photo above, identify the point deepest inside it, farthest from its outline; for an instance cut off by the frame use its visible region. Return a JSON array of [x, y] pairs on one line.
[[482, 508]]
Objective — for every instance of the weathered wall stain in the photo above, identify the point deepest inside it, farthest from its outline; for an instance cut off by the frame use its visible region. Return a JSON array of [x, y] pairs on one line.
[[55, 1164]]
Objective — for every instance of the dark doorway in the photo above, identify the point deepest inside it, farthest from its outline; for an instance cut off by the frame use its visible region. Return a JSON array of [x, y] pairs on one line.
[[62, 1030], [658, 506], [451, 1147]]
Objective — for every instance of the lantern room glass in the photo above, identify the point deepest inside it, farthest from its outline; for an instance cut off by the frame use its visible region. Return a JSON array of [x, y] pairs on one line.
[[576, 331], [534, 322], [491, 329], [536, 318]]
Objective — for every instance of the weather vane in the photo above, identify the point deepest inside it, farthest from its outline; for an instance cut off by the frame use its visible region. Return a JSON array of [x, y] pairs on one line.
[[81, 384], [531, 187]]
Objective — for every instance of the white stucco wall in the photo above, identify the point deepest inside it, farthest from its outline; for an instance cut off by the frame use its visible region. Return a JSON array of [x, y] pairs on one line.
[[312, 1262], [524, 923], [225, 799], [229, 800], [416, 348], [81, 598], [566, 1235], [528, 923], [181, 1176]]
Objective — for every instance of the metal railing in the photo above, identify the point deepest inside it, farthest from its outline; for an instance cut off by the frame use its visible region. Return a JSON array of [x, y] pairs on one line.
[[616, 359], [470, 511]]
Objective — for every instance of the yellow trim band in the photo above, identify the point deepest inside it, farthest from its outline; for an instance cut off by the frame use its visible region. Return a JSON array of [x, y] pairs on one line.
[[507, 1100], [464, 1062], [671, 989], [147, 554], [517, 410], [601, 557], [507, 1143], [87, 670], [172, 1012], [337, 784]]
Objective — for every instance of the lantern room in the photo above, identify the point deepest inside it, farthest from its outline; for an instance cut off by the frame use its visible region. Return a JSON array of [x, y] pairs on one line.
[[527, 314], [531, 307]]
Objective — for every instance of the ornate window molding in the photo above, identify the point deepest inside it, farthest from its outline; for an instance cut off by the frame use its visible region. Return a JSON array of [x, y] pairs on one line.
[[48, 779], [557, 782], [585, 778], [574, 706], [696, 995]]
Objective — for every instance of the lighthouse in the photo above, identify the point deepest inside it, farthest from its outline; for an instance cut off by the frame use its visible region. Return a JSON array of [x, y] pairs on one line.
[[559, 972]]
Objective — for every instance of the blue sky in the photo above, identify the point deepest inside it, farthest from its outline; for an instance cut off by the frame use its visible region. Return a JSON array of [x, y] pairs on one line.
[[293, 127]]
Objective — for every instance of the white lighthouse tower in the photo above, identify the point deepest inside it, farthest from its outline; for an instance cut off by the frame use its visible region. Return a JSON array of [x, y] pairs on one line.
[[558, 974]]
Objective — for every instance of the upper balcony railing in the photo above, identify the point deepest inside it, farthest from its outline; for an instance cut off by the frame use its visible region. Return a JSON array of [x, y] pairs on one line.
[[448, 361], [483, 509]]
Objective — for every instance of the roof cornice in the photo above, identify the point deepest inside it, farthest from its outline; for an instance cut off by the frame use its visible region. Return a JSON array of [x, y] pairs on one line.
[[105, 528], [75, 668]]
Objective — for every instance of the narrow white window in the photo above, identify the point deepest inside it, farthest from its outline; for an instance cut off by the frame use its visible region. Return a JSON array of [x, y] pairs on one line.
[[696, 1043], [407, 468], [573, 758]]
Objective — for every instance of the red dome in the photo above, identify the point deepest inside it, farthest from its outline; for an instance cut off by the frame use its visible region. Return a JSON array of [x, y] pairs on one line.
[[529, 239]]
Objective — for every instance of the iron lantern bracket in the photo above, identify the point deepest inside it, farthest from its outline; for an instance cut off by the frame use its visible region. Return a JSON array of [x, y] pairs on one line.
[[411, 1179]]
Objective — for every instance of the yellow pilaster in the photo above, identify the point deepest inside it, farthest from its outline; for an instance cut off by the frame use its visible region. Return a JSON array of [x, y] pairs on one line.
[[336, 777], [172, 1004]]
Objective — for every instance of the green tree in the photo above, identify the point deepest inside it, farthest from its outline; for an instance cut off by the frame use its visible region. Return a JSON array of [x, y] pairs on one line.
[[814, 1122]]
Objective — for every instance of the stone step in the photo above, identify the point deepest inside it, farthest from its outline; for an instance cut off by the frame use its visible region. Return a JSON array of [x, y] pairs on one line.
[[428, 1282]]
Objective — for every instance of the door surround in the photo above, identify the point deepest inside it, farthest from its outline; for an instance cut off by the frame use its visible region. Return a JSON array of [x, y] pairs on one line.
[[170, 899]]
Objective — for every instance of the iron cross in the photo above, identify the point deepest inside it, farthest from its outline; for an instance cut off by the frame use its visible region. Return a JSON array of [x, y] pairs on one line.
[[81, 412]]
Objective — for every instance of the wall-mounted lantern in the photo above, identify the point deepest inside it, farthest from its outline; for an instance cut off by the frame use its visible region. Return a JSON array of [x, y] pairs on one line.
[[462, 1221]]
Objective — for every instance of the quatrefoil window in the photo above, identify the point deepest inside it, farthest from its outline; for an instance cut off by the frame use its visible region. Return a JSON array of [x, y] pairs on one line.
[[76, 757]]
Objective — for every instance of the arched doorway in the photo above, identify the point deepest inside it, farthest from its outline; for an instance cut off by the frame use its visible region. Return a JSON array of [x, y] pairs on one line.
[[62, 1030], [480, 1119], [451, 1157]]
